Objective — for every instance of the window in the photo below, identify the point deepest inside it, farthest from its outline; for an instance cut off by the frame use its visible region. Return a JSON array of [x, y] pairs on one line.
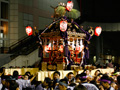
[[3, 33], [4, 24], [28, 19], [1, 37], [4, 10]]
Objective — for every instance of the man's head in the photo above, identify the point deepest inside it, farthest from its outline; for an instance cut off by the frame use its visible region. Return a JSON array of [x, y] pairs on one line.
[[63, 84], [70, 75], [80, 87], [26, 77], [118, 80], [97, 72], [28, 73], [56, 75], [77, 78], [83, 77], [9, 81], [47, 82], [13, 85], [105, 81], [15, 74], [87, 71]]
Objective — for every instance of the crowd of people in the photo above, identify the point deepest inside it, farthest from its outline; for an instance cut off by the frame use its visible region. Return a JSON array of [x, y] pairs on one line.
[[81, 81]]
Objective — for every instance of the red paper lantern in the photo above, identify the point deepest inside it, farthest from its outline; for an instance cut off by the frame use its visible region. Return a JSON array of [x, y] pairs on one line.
[[98, 31], [63, 26], [29, 30], [69, 5]]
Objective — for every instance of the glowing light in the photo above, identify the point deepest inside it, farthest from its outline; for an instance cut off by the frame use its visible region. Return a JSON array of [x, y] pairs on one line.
[[47, 48], [63, 26], [69, 5], [1, 28], [79, 48], [98, 31], [73, 46], [29, 30]]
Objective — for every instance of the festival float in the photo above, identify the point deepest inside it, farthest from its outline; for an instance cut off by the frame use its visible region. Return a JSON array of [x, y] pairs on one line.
[[64, 42]]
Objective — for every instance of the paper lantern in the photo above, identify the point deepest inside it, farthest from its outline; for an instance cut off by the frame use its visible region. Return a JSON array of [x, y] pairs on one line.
[[98, 31], [63, 26], [29, 30], [69, 5]]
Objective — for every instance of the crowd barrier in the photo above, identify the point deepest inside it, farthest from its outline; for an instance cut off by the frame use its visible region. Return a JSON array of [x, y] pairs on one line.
[[21, 71]]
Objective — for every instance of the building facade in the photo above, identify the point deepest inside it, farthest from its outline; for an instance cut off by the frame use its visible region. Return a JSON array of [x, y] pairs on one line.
[[15, 15]]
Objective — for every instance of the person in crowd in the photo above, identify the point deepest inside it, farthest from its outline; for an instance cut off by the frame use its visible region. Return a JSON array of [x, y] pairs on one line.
[[35, 34], [56, 78], [114, 85], [13, 85], [28, 74], [97, 72], [80, 87], [77, 78], [89, 86], [87, 71], [70, 78], [105, 82], [1, 73], [96, 81], [15, 74], [23, 83], [118, 82], [26, 77], [62, 85], [89, 77], [71, 86], [9, 83], [46, 85]]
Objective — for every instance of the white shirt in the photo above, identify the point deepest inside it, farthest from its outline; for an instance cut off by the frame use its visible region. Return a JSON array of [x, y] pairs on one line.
[[71, 88], [1, 86], [112, 88], [23, 83], [90, 86], [39, 87]]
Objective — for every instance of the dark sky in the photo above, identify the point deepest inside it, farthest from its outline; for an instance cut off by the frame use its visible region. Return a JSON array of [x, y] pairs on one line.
[[103, 11], [100, 10]]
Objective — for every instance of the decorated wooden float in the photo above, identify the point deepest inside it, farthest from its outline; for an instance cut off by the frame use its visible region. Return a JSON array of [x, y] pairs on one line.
[[53, 46], [64, 42]]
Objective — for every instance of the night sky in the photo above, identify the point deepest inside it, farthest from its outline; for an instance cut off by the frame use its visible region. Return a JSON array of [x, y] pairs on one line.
[[100, 10], [103, 11]]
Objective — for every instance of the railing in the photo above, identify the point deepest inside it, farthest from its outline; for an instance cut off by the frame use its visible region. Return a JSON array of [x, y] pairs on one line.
[[22, 47]]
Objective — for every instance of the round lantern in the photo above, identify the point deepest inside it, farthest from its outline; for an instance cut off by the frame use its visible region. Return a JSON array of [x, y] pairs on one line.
[[98, 31], [63, 26], [29, 30], [69, 5]]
